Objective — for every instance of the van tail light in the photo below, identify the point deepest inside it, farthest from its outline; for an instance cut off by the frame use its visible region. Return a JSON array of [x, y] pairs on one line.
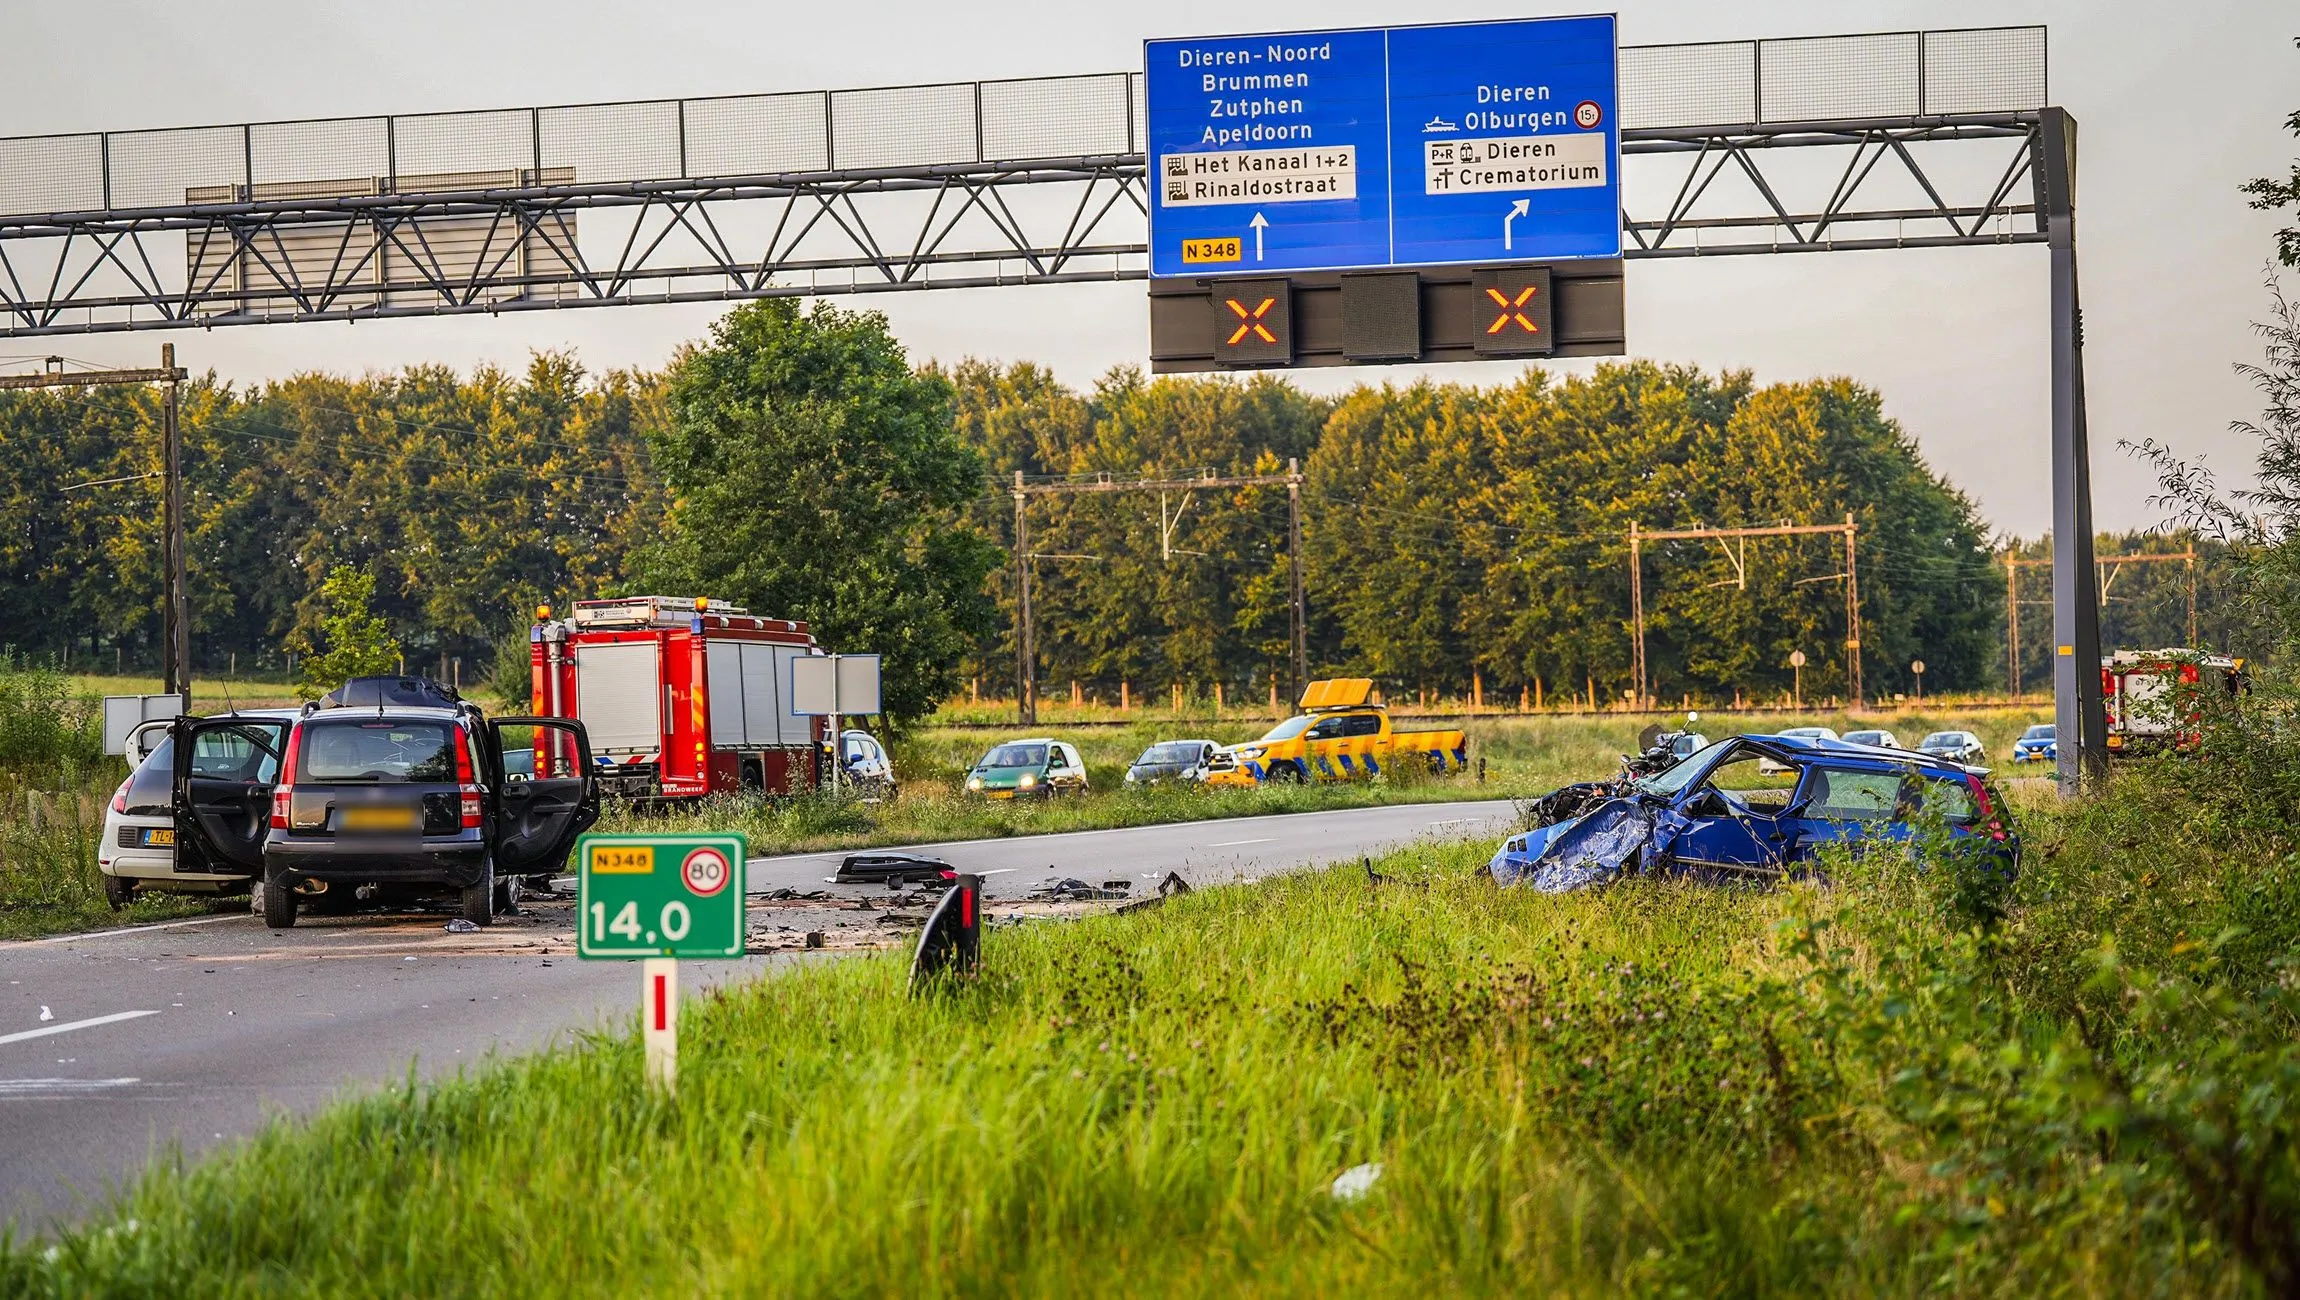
[[1985, 808], [466, 782], [120, 797]]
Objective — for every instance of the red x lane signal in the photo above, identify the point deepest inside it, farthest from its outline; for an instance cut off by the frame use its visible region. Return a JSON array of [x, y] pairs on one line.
[[1512, 309], [1253, 322], [1250, 322]]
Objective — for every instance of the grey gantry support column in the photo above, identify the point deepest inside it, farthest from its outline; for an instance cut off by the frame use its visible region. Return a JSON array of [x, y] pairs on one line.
[[2083, 725]]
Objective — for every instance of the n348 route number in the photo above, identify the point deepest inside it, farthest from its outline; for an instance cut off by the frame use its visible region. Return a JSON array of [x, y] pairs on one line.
[[671, 924]]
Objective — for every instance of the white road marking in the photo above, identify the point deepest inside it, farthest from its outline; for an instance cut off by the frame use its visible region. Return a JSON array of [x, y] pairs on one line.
[[59, 1087], [1231, 844], [140, 929], [70, 1025]]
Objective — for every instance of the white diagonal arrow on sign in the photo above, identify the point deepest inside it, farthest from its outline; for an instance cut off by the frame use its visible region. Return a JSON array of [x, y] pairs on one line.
[[1516, 210]]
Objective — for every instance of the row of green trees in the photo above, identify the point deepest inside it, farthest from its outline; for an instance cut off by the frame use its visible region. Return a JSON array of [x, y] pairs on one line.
[[795, 461]]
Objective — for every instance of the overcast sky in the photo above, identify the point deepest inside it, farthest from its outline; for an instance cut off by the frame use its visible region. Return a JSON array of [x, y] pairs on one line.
[[2178, 105]]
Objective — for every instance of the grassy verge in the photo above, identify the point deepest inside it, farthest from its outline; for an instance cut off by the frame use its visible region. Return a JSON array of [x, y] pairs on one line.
[[48, 878], [1895, 1084], [54, 778], [209, 694]]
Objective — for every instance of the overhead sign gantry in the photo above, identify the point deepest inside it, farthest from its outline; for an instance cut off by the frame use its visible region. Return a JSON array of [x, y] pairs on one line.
[[1401, 178]]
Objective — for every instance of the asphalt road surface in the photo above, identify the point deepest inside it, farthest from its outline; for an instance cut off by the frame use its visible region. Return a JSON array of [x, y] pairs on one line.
[[117, 1046]]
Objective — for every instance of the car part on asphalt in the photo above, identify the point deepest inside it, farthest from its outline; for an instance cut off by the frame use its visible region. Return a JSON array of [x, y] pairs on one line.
[[951, 942], [1071, 891], [896, 869]]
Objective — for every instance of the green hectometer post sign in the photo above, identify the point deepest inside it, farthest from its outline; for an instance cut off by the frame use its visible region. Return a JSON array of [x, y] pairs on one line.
[[659, 896]]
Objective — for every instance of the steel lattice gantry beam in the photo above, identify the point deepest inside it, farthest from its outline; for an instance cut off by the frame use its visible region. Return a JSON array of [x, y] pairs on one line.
[[534, 240]]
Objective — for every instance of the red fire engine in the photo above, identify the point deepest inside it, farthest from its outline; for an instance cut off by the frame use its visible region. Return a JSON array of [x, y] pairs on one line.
[[2138, 689], [682, 697]]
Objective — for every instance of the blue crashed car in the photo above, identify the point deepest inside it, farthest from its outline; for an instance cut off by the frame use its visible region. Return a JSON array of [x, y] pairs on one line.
[[2038, 744], [1760, 807]]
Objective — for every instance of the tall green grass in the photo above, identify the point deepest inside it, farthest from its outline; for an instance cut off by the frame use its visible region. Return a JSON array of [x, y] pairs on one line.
[[1868, 1087], [54, 777]]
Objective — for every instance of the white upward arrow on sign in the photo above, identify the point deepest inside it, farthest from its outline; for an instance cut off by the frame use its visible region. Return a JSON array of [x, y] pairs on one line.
[[1516, 210], [1260, 223]]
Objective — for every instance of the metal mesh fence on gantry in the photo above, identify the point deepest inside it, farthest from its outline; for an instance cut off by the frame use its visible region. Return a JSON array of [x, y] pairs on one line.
[[1723, 84]]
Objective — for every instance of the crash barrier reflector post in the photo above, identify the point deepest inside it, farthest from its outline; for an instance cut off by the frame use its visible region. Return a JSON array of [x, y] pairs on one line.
[[659, 1022], [952, 939]]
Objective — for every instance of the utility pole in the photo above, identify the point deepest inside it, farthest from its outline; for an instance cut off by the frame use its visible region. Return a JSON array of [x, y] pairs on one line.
[[2192, 638], [1852, 612], [1301, 607], [1636, 615], [2105, 568], [1851, 578], [176, 673], [1025, 656], [2012, 624], [176, 633], [1298, 617]]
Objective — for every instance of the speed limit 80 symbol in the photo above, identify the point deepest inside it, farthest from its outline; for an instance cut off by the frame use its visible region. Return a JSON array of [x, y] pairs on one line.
[[705, 872]]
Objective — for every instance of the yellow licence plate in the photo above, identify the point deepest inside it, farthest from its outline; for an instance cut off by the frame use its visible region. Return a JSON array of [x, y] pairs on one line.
[[379, 819], [160, 838]]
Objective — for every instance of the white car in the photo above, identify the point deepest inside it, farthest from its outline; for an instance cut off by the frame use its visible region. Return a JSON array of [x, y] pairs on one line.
[[1879, 737], [1771, 767], [1956, 746], [1808, 733], [138, 851]]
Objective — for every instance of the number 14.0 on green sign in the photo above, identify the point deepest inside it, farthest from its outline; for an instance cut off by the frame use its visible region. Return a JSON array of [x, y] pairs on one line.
[[659, 896]]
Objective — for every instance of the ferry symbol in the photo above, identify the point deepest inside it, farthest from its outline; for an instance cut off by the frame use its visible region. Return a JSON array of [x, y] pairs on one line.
[[1438, 126]]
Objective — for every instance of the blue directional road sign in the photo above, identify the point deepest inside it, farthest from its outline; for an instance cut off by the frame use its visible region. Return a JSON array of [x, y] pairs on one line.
[[1377, 147]]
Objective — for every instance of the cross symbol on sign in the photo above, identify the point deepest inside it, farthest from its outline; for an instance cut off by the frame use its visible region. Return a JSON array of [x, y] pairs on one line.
[[1250, 321], [1511, 309]]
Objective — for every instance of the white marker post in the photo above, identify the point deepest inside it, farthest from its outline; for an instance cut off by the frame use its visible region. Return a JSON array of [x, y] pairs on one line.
[[659, 1022]]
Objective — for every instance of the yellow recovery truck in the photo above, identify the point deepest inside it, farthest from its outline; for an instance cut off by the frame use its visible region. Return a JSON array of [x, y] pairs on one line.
[[1342, 732]]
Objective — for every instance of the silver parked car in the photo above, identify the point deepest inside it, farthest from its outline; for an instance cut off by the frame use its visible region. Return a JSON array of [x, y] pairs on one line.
[[1956, 746]]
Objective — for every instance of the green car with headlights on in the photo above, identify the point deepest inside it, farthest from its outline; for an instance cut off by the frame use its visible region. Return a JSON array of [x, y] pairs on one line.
[[1027, 768]]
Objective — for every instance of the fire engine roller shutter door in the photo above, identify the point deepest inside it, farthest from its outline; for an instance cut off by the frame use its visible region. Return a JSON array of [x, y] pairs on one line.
[[723, 661], [761, 701], [618, 695], [797, 728]]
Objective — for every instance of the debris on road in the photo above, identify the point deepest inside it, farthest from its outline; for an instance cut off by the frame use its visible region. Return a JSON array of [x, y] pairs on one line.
[[1071, 890], [461, 926], [897, 869], [1173, 886]]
